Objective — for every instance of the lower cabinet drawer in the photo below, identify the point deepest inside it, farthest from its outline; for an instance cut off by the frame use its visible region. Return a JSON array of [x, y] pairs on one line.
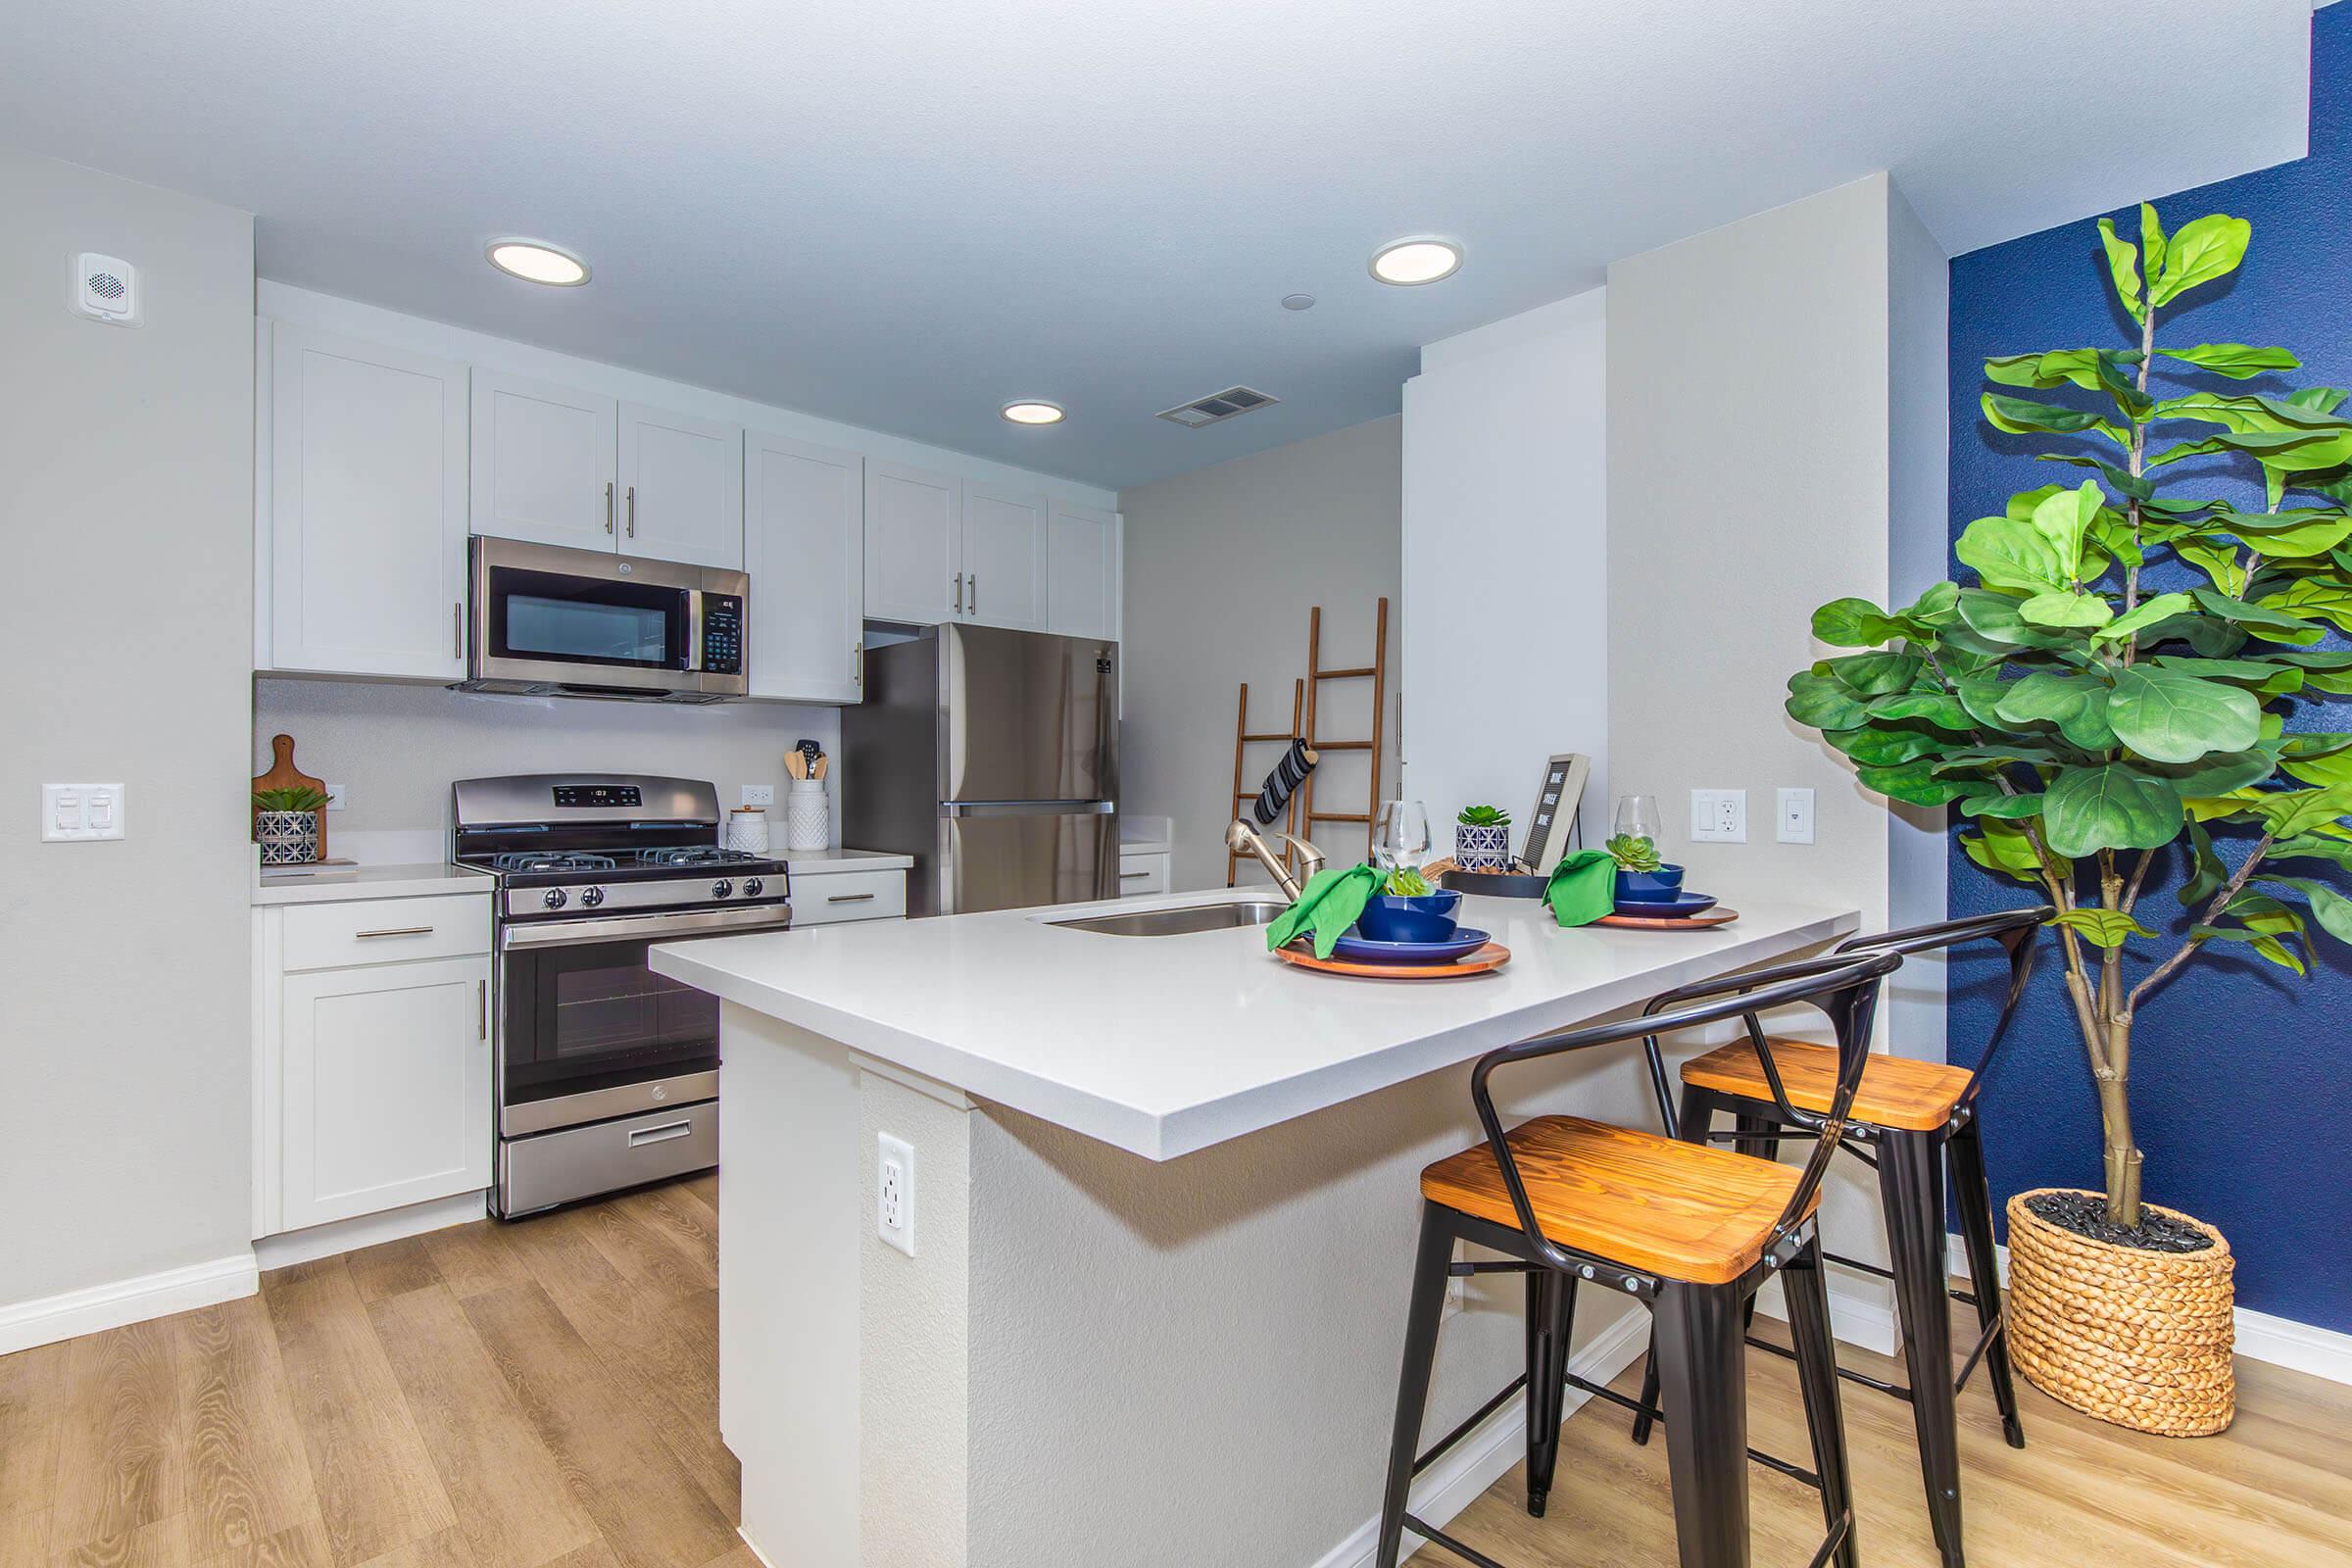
[[333, 936], [847, 896], [1143, 875], [550, 1168]]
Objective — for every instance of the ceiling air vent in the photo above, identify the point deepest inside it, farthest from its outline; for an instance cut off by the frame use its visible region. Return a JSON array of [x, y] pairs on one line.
[[1225, 405]]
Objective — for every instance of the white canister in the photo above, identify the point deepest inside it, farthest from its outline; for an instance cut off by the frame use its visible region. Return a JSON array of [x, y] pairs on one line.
[[747, 830], [808, 819]]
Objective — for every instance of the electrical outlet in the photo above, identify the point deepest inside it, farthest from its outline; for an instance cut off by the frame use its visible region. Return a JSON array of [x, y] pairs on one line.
[[1719, 817], [1796, 816], [894, 1192], [759, 795], [338, 797]]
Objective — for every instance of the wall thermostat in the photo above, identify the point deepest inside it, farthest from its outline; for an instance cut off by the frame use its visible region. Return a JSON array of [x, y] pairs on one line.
[[105, 288]]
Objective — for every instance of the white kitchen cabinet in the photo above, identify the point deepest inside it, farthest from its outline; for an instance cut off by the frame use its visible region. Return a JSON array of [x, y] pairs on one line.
[[1143, 874], [1082, 571], [1004, 558], [914, 544], [681, 488], [366, 521], [837, 894], [545, 463], [803, 546]]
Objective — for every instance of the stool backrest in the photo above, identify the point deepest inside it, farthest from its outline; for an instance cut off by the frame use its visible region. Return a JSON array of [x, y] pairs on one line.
[[1844, 986], [2013, 929]]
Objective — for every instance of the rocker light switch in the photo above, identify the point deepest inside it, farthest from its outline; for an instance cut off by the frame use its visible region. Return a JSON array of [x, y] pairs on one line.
[[76, 813]]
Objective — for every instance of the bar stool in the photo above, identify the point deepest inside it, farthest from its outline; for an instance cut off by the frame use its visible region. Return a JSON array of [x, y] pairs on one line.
[[1691, 1232], [1915, 1115]]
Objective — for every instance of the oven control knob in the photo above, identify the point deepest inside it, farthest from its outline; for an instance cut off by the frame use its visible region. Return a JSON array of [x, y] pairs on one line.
[[721, 888], [753, 888], [590, 897], [556, 898]]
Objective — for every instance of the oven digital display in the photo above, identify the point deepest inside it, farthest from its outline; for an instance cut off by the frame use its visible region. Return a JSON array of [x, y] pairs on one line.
[[599, 795]]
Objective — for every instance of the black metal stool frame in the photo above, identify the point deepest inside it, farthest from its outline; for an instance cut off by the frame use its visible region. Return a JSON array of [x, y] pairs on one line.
[[1911, 1195], [1700, 1328]]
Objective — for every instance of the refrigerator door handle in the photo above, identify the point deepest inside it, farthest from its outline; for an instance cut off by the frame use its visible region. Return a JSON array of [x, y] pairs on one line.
[[1028, 808]]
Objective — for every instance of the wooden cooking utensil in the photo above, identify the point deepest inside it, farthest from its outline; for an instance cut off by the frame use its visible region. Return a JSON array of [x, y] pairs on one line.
[[284, 775]]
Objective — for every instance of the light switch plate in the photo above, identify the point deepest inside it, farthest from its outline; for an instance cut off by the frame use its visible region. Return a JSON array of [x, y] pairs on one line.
[[1719, 817], [1796, 816], [73, 813], [338, 796]]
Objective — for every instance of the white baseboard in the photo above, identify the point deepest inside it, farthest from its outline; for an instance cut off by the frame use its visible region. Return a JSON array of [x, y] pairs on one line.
[[133, 1301], [2261, 1337], [368, 1230], [1497, 1443], [1866, 1320]]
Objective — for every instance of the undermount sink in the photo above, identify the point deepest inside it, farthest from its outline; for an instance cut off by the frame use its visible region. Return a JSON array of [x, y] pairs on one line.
[[1182, 920]]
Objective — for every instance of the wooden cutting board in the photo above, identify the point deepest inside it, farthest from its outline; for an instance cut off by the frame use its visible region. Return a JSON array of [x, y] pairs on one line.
[[284, 775]]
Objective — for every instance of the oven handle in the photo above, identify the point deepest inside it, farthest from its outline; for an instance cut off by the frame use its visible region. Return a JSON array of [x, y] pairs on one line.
[[648, 927]]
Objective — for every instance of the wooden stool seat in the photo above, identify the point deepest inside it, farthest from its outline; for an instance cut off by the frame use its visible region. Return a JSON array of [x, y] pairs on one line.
[[1895, 1092], [1681, 1210]]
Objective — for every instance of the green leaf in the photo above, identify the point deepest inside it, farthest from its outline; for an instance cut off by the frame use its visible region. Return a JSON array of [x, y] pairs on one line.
[[2217, 774], [2234, 360], [2008, 807], [2289, 813], [2024, 415], [2270, 622], [1872, 746], [2208, 248], [2004, 847], [2207, 873], [2075, 703], [1822, 701], [1915, 782], [2113, 807], [1872, 674], [2105, 928], [2329, 908], [2152, 240], [2063, 606], [2255, 674], [2307, 848], [2216, 561], [2123, 266], [2064, 519], [1938, 710], [2009, 553], [2262, 942], [2307, 597], [2322, 768], [1936, 608], [1997, 617], [1981, 698], [2167, 717], [2294, 535], [1855, 623], [2148, 612]]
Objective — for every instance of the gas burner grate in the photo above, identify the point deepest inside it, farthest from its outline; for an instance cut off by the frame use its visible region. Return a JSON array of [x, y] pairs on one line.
[[695, 855], [553, 860]]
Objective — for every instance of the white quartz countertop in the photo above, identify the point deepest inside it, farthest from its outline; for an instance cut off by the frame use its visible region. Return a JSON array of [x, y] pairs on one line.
[[816, 863], [1165, 1044], [338, 884]]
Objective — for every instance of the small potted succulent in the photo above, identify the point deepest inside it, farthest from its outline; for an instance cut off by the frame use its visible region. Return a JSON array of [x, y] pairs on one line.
[[285, 825], [1641, 876], [1482, 839]]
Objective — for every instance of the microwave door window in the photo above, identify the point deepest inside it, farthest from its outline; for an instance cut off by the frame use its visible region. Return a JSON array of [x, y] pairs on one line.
[[581, 629]]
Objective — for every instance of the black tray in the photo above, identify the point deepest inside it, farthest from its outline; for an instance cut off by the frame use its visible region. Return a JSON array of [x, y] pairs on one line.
[[1495, 884]]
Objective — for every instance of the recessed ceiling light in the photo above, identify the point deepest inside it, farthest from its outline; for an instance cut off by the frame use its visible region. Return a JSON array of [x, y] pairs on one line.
[[537, 262], [1418, 259], [1031, 411]]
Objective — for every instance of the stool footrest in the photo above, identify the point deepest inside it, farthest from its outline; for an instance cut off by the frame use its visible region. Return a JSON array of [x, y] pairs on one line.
[[1502, 1399], [1834, 1539], [1984, 1343], [1769, 1461], [1468, 1554]]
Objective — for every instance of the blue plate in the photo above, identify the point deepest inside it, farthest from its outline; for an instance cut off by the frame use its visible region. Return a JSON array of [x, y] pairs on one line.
[[1362, 950], [1680, 906]]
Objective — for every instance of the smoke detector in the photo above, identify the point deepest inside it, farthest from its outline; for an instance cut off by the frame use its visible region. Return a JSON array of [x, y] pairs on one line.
[[105, 288], [1218, 405]]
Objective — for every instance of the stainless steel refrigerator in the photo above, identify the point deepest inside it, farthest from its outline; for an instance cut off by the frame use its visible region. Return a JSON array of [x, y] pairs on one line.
[[993, 757]]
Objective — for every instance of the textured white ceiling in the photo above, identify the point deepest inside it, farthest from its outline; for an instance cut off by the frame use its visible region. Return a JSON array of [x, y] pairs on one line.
[[901, 215]]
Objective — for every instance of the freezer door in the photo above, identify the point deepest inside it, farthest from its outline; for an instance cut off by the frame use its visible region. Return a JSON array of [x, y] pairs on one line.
[[1024, 860], [1027, 717]]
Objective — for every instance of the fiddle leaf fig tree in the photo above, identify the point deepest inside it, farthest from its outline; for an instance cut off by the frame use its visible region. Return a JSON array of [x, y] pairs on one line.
[[2119, 678]]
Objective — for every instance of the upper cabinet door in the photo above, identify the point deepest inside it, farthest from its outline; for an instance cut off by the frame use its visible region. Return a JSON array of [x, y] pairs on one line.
[[1082, 571], [681, 488], [1004, 558], [366, 509], [804, 543], [914, 544], [544, 463]]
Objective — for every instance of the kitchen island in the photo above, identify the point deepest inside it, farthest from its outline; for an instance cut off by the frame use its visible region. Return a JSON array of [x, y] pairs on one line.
[[1161, 1197]]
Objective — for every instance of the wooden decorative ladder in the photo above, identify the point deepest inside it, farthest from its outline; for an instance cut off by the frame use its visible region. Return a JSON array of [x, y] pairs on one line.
[[1377, 673], [1243, 737]]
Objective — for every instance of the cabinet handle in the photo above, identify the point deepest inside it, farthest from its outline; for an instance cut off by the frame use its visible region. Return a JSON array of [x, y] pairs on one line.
[[457, 630], [661, 1134], [481, 1009], [1133, 876], [632, 512], [608, 506], [960, 593], [399, 931], [975, 592], [848, 898], [858, 663]]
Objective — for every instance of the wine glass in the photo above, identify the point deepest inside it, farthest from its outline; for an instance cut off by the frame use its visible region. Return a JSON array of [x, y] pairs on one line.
[[1400, 838], [1638, 817]]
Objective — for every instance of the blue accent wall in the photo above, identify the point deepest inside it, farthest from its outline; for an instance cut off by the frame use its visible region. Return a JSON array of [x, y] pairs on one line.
[[2241, 1073]]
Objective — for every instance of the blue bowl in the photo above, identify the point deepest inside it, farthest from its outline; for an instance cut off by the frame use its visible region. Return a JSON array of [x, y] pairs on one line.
[[1662, 886], [1422, 917]]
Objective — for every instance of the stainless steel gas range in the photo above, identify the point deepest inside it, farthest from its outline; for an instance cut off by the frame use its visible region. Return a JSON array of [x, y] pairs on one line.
[[607, 1073]]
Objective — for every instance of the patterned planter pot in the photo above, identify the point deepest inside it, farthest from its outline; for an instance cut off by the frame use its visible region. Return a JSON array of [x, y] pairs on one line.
[[1481, 848], [286, 837]]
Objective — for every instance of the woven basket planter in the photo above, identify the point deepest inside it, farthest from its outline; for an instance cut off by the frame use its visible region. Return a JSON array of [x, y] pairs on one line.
[[2138, 1338]]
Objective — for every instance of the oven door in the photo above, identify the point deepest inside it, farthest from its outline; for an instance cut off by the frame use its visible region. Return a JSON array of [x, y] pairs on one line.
[[587, 1031], [584, 618]]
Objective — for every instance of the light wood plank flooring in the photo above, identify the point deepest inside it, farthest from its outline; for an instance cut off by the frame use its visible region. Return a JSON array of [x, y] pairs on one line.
[[545, 1394]]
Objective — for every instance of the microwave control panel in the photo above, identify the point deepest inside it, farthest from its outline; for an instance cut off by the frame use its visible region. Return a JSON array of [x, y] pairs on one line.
[[723, 634]]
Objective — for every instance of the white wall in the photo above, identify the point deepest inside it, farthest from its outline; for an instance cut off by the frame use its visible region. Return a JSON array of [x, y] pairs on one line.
[[1222, 566], [128, 517], [1506, 563]]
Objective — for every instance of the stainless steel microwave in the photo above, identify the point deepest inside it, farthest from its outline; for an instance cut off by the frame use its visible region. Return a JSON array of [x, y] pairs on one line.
[[551, 621]]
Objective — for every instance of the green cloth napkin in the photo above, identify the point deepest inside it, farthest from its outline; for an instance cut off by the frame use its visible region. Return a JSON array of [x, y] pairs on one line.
[[1327, 905], [1583, 887]]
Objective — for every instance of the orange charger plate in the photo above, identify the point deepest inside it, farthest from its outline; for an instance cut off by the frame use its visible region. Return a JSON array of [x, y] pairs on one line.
[[1494, 956], [1670, 922]]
